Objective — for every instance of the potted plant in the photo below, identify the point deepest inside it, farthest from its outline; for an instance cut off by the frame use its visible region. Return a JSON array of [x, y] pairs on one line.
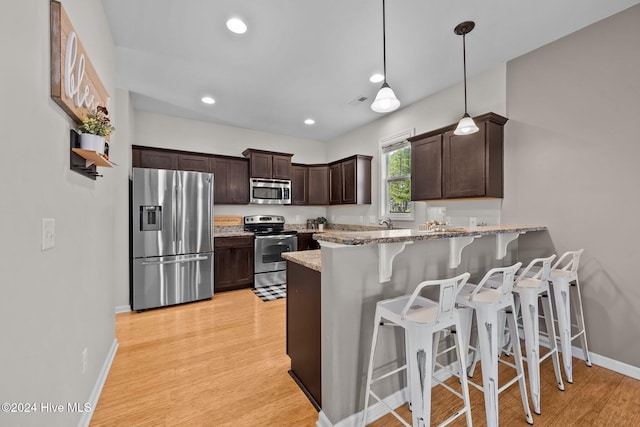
[[94, 128], [321, 221]]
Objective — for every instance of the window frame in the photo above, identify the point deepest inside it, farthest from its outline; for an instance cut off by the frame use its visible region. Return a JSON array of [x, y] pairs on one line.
[[400, 140]]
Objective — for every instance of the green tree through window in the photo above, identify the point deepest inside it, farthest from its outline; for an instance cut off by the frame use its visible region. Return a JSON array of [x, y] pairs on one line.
[[399, 180]]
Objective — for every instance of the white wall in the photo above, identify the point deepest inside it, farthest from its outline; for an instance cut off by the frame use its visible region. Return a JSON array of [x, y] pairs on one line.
[[55, 303], [487, 92], [571, 163]]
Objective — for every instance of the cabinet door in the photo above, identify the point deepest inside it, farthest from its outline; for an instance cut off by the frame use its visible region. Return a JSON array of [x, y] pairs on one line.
[[282, 167], [233, 263], [220, 170], [243, 265], [231, 180], [156, 159], [261, 165], [193, 162], [426, 168], [318, 185], [299, 185], [464, 164], [349, 182], [335, 184], [238, 181], [224, 274]]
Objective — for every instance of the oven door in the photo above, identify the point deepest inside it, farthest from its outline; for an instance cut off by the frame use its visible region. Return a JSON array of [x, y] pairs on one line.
[[268, 252]]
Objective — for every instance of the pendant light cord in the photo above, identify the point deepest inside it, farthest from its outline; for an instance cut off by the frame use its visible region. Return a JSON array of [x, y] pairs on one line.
[[464, 64], [384, 45]]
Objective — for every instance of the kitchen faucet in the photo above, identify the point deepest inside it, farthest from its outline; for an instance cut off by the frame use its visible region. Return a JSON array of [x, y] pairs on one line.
[[387, 222]]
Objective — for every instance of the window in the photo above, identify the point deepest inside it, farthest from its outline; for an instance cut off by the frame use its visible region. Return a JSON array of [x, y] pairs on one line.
[[396, 177]]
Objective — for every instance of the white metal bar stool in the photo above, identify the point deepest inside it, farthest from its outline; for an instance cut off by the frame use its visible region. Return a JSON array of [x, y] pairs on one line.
[[529, 290], [486, 300], [564, 275], [421, 319]]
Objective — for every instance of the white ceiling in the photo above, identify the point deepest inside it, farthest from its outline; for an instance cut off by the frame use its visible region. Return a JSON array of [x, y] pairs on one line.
[[310, 58]]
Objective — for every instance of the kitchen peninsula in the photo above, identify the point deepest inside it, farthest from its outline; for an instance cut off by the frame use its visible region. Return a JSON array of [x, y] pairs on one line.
[[355, 270]]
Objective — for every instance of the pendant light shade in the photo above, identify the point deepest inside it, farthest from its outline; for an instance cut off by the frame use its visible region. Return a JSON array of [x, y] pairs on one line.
[[386, 100], [466, 125]]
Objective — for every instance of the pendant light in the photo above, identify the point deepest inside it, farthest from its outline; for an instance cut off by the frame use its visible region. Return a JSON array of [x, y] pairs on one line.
[[466, 125], [386, 100]]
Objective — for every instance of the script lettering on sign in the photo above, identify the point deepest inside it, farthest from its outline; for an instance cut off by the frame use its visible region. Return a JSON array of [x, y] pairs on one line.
[[75, 85]]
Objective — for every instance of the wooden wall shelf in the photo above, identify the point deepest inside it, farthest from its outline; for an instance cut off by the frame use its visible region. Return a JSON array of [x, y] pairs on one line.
[[85, 162]]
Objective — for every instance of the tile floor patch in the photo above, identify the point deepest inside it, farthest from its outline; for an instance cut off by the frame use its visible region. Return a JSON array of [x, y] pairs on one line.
[[271, 293]]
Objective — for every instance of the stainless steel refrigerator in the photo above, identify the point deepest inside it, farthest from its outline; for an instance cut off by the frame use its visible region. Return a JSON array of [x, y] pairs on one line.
[[172, 237]]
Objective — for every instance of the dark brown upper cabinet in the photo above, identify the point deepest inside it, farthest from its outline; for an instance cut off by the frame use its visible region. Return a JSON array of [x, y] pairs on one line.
[[426, 168], [268, 164], [448, 166], [350, 181], [154, 158], [299, 185], [231, 180], [318, 184], [193, 162]]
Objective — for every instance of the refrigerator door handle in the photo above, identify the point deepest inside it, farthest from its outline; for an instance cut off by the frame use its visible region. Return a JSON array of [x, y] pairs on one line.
[[176, 261]]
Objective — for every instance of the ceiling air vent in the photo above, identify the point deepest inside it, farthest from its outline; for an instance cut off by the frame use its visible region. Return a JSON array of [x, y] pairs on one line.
[[358, 100]]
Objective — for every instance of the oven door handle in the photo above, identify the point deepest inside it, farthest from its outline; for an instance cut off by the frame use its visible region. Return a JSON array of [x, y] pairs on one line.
[[276, 237]]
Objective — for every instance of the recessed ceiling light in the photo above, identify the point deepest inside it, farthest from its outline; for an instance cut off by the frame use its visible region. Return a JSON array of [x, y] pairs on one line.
[[208, 100], [309, 122], [376, 78], [235, 25]]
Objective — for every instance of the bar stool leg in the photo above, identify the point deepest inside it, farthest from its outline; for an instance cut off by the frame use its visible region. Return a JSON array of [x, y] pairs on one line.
[[577, 303], [374, 341], [488, 337], [547, 310], [517, 355], [466, 321], [419, 360], [563, 307], [529, 307], [463, 378]]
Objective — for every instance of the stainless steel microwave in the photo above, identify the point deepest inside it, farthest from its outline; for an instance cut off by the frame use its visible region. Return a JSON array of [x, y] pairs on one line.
[[270, 191]]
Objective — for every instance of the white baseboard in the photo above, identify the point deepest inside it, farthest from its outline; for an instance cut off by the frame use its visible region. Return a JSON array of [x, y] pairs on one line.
[[603, 361], [97, 388], [378, 410], [123, 309]]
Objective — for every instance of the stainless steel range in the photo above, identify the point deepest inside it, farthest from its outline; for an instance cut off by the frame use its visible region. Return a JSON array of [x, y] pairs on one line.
[[270, 242]]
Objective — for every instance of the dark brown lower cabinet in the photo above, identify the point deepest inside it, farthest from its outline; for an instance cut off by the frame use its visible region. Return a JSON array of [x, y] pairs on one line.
[[306, 242], [303, 330], [233, 263]]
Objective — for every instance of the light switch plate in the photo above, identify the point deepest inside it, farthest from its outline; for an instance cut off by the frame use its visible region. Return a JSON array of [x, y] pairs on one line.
[[48, 233]]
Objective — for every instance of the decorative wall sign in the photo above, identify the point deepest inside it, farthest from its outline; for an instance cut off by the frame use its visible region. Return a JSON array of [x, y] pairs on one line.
[[75, 85]]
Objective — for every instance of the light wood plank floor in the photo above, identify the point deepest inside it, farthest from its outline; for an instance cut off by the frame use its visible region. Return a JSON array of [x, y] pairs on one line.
[[223, 363]]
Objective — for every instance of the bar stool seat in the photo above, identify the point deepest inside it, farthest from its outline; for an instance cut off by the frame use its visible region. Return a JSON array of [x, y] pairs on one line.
[[422, 319], [488, 304]]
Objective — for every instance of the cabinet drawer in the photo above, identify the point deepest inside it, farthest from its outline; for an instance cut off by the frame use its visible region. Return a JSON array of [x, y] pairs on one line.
[[226, 242]]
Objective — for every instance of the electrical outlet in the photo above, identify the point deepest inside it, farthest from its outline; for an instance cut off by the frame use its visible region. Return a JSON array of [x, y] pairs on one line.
[[85, 356], [48, 233]]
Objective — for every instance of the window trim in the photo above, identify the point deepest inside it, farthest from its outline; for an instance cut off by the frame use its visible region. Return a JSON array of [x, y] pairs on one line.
[[384, 146]]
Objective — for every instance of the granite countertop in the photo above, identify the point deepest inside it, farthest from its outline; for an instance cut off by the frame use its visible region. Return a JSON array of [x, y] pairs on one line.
[[406, 235], [238, 233], [309, 259]]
